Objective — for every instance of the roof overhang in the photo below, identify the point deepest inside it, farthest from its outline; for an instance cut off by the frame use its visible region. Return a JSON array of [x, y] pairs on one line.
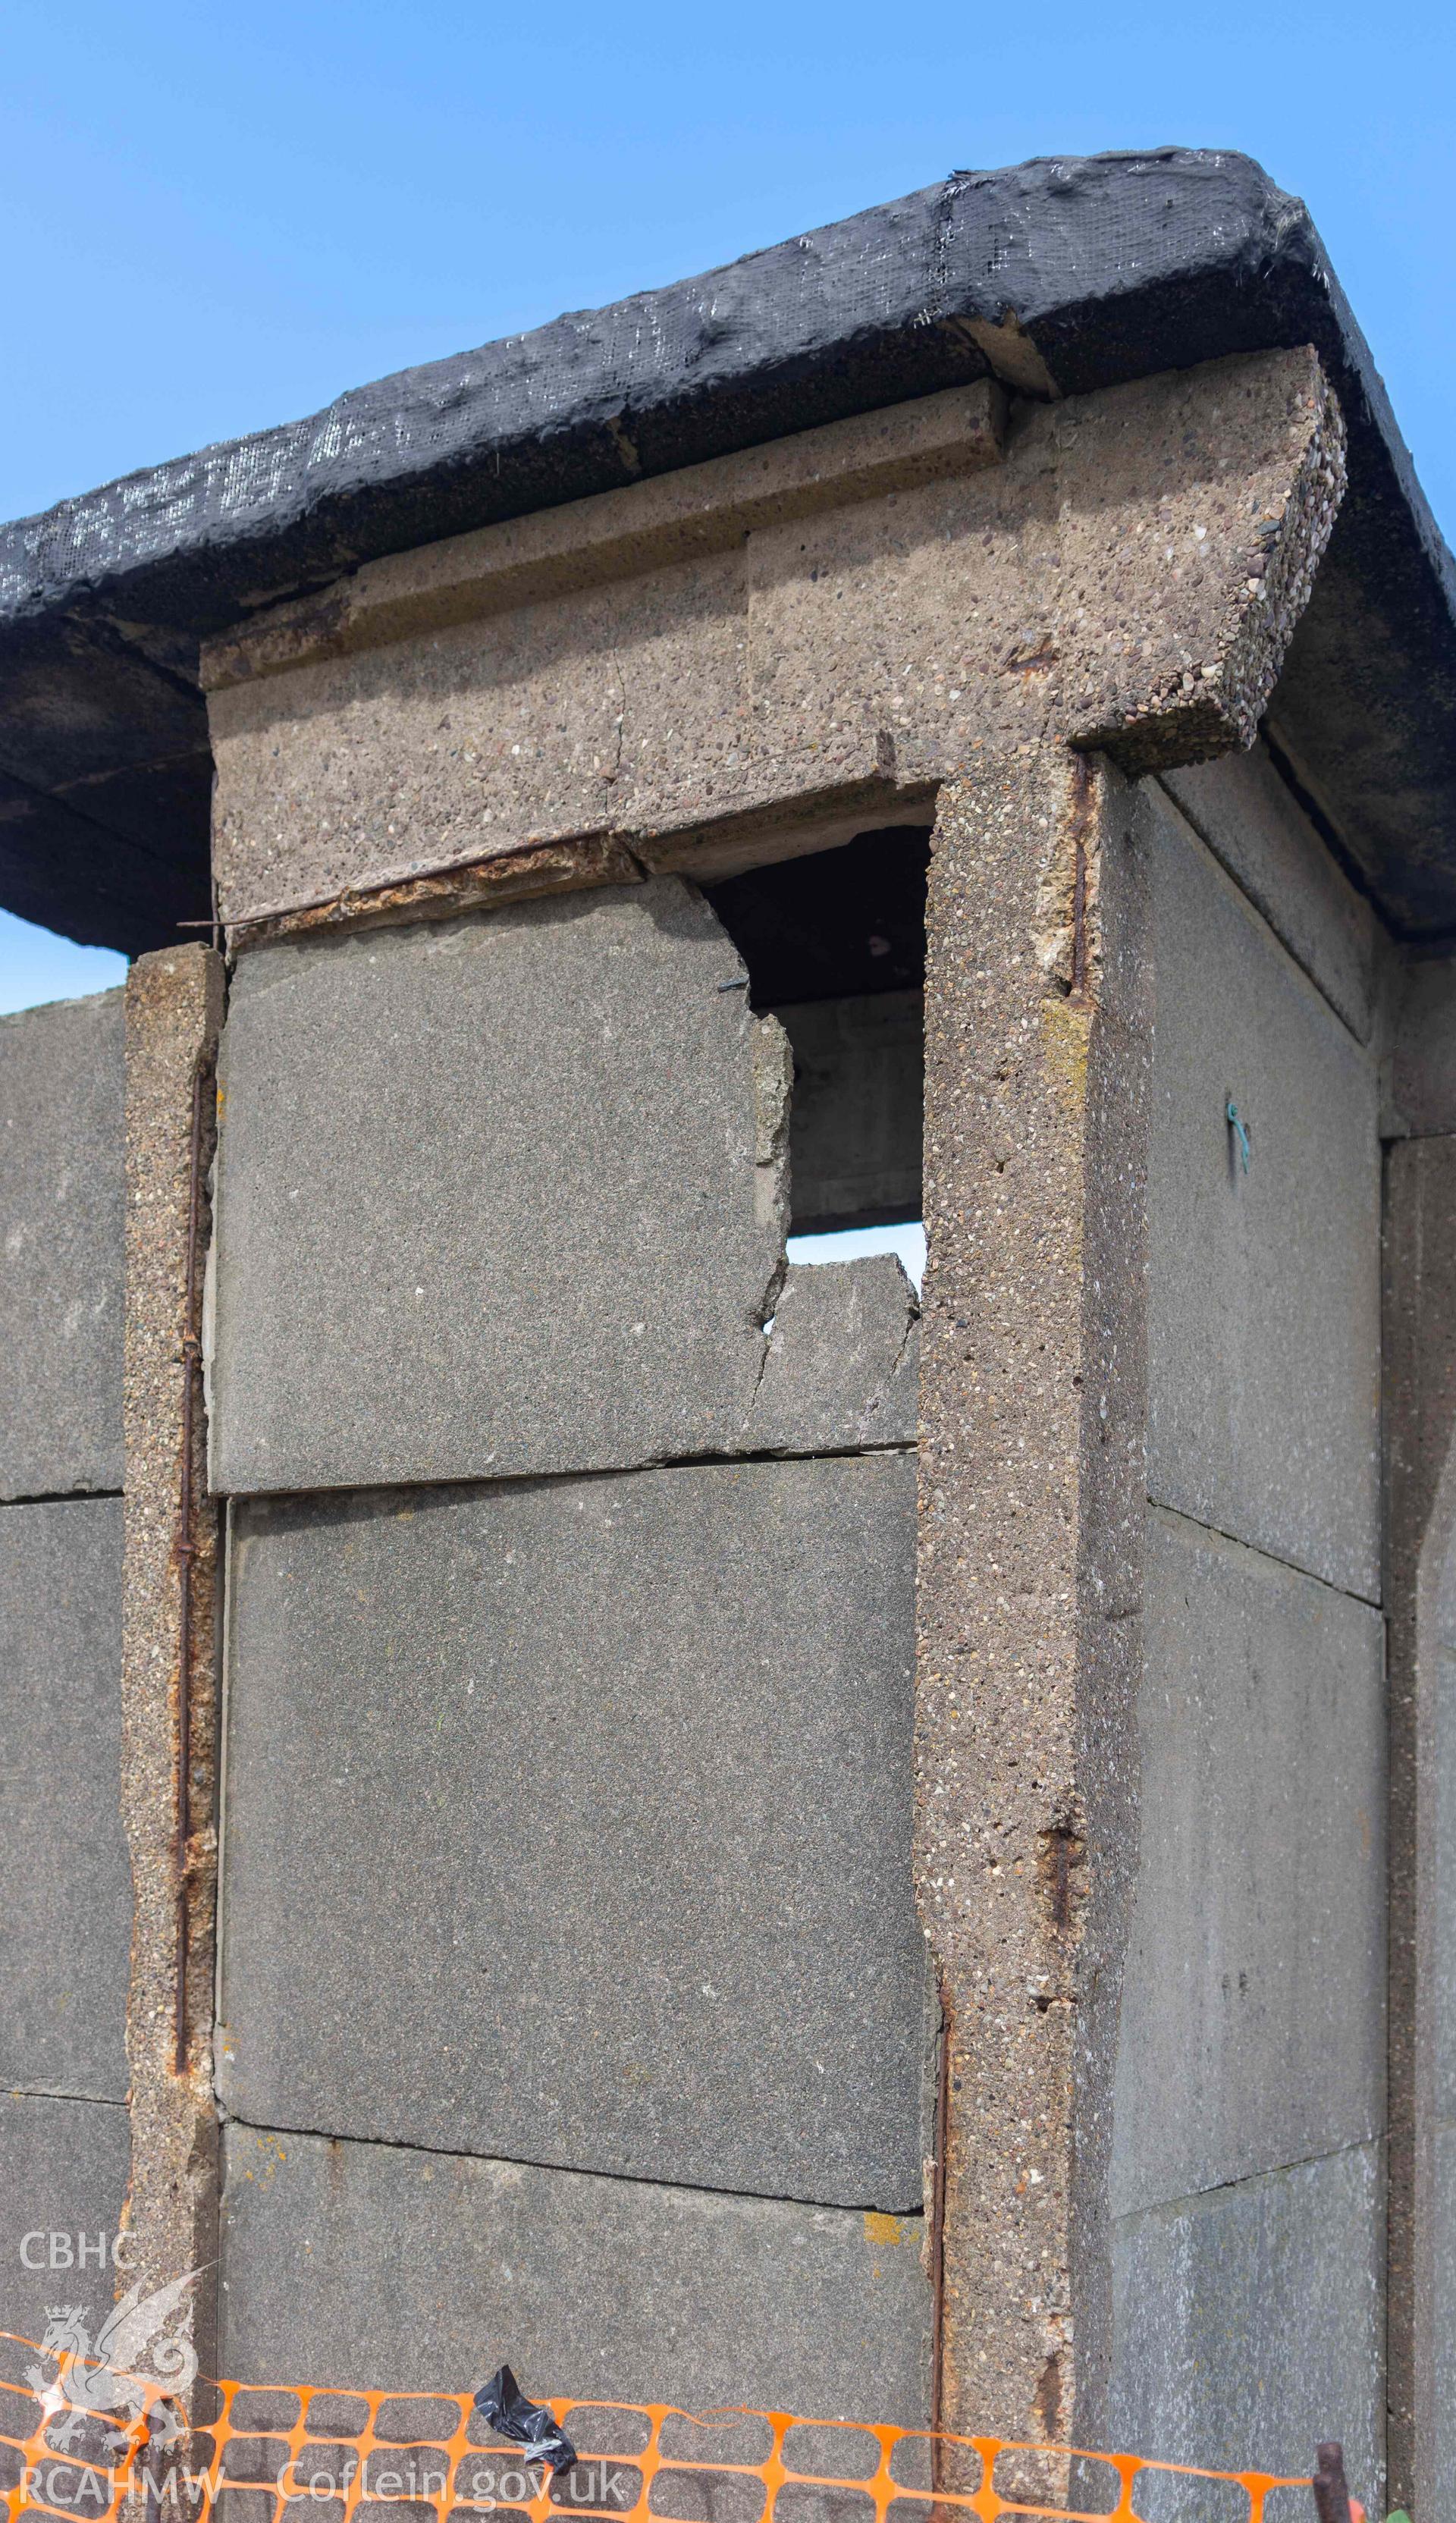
[[1059, 276]]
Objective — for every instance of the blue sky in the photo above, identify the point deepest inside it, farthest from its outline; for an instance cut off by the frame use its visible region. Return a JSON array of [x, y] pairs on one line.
[[217, 216]]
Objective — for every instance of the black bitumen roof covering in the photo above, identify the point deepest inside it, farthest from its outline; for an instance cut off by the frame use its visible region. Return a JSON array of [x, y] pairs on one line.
[[1113, 266]]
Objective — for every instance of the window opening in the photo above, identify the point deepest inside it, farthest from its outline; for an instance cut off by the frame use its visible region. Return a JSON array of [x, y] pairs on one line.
[[834, 944]]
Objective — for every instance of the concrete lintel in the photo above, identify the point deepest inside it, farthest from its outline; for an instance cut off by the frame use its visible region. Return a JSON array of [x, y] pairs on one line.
[[676, 516], [174, 1018], [569, 866], [1029, 1596], [1128, 576]]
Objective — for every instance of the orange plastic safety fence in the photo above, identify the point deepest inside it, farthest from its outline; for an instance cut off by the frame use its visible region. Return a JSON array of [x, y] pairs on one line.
[[281, 2453]]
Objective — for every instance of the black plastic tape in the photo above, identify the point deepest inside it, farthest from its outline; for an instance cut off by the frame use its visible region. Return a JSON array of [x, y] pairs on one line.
[[504, 2406]]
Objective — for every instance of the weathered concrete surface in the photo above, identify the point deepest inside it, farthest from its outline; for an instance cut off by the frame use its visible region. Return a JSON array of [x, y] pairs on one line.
[[855, 1127], [503, 1196], [1250, 820], [629, 1760], [1438, 2148], [63, 2171], [843, 1360], [1420, 1419], [1264, 1342], [169, 1676], [1031, 1529], [1420, 1425], [1441, 1926], [61, 1212], [65, 1885], [1250, 2326], [1253, 2021], [1442, 2381], [1128, 576], [347, 2263]]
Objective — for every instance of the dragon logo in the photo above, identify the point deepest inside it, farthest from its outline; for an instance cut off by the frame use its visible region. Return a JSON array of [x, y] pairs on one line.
[[105, 2379]]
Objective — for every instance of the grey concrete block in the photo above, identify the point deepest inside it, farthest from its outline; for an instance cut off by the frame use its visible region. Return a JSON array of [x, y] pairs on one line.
[[62, 1214], [500, 1195], [1250, 820], [572, 1822], [1249, 2326], [858, 1091], [65, 1877], [1443, 2330], [64, 2171], [379, 2266], [1264, 1286], [1253, 2028], [1421, 1084], [843, 1363], [1443, 1877]]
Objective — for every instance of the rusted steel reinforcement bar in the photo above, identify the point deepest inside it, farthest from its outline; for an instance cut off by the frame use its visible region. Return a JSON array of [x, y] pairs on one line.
[[1332, 2495]]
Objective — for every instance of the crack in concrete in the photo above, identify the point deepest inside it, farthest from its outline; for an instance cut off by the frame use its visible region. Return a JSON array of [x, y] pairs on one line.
[[1272, 1559], [1190, 2200], [568, 2171], [53, 2094], [703, 1461], [60, 1497]]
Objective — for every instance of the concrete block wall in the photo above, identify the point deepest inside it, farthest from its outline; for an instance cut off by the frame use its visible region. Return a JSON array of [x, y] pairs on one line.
[[1248, 2166], [64, 1881], [573, 2004]]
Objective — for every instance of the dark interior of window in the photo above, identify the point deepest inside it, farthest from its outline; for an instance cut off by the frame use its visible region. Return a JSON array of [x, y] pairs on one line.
[[835, 948]]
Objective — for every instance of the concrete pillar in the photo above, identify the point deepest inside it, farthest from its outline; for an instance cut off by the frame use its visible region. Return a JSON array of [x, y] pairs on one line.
[[173, 1017], [1033, 1375]]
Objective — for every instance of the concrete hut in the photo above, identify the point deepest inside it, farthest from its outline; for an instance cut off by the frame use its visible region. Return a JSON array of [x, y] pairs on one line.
[[575, 1790]]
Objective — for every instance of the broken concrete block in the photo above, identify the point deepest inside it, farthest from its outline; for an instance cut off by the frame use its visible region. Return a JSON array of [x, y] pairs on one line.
[[843, 1360], [572, 1822], [1252, 2021], [61, 1204], [65, 1878], [503, 1194], [380, 2266], [1263, 1282], [64, 2171], [1249, 2325]]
